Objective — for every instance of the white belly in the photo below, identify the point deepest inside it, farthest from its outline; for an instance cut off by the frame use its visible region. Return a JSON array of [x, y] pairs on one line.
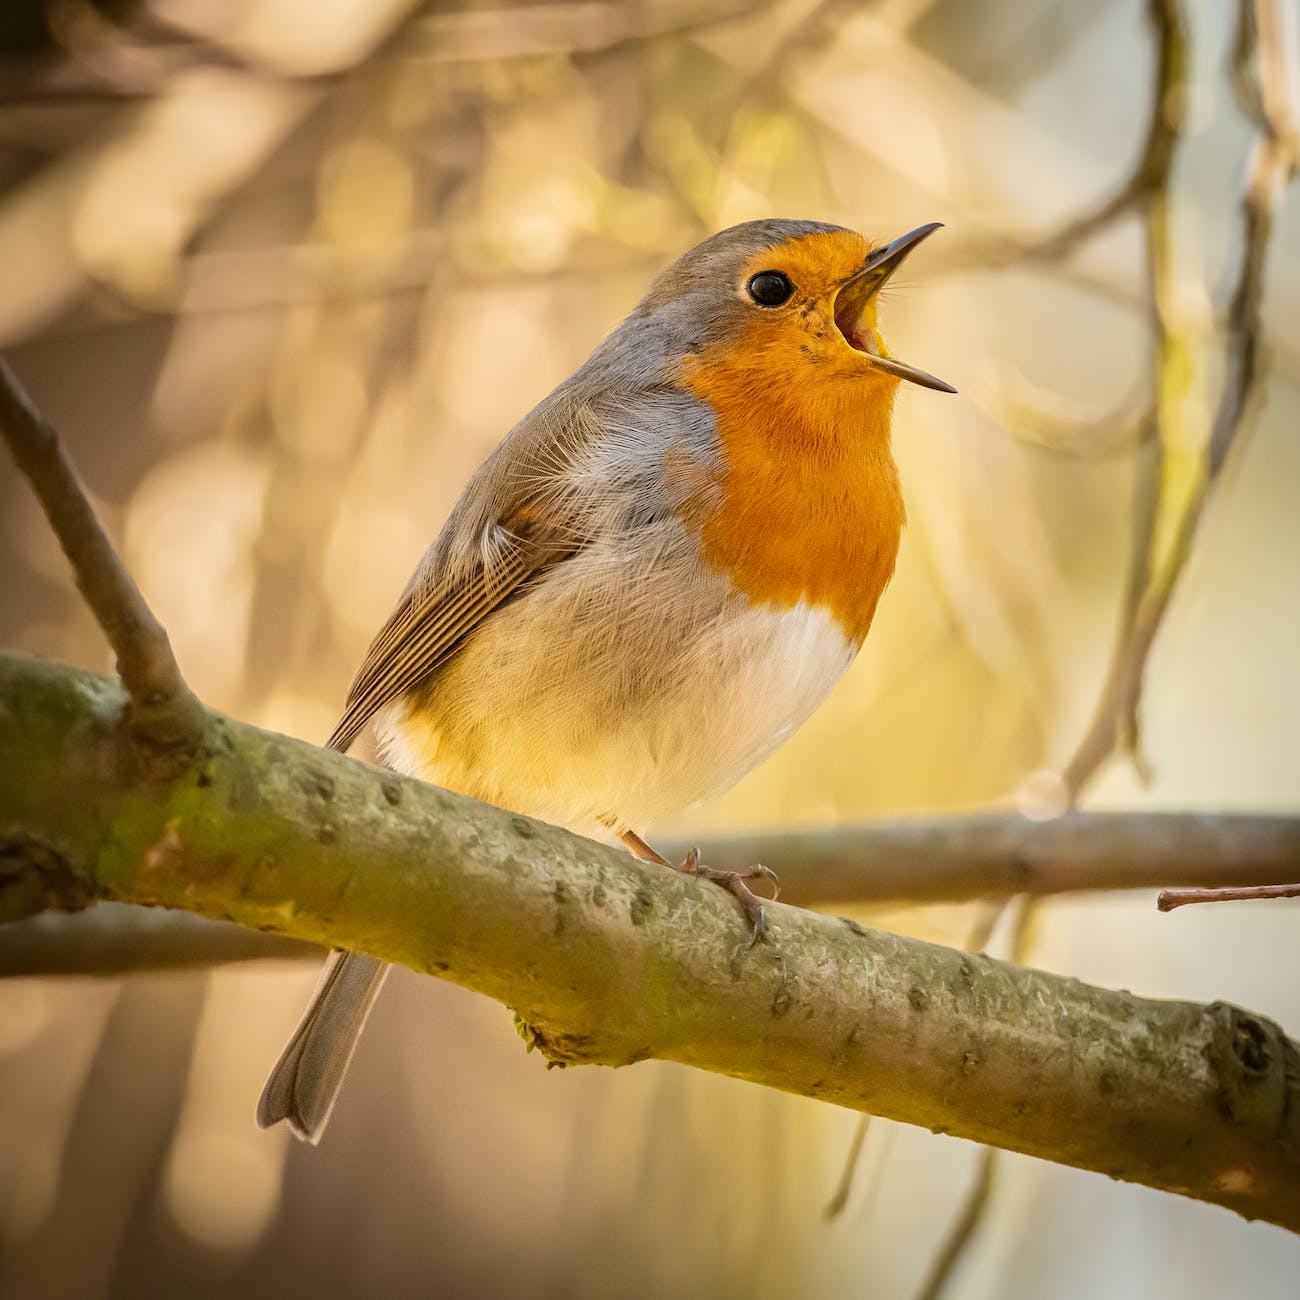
[[589, 702]]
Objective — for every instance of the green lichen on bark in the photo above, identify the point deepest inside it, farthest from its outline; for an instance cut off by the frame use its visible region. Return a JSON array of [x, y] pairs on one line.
[[608, 960]]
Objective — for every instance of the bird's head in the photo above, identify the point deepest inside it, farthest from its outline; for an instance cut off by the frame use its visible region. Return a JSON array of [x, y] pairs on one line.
[[790, 298]]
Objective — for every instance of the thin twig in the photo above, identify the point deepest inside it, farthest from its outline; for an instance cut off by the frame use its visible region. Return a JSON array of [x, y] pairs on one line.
[[1256, 62], [963, 1231], [1093, 439], [1146, 178], [1164, 130], [117, 939], [163, 710], [1168, 899], [840, 1196], [1115, 719], [1001, 854]]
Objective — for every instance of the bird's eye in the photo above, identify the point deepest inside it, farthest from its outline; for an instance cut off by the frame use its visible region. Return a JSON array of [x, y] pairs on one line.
[[770, 288]]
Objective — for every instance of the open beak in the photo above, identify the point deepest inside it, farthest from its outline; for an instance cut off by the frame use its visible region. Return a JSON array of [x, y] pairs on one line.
[[858, 293]]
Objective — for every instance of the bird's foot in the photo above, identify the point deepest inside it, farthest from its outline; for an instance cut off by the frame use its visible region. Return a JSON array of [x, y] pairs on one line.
[[737, 884]]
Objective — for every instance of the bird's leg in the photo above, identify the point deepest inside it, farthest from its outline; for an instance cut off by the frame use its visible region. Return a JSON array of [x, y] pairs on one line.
[[735, 882]]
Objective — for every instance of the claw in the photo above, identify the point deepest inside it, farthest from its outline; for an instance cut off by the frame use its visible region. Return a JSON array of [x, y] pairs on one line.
[[734, 882], [759, 872]]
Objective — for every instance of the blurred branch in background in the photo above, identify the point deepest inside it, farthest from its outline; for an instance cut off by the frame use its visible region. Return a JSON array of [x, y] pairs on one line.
[[134, 57], [117, 939], [958, 857], [1144, 185], [1168, 509]]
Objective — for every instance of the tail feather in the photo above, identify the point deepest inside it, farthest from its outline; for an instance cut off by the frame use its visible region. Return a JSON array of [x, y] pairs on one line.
[[305, 1081]]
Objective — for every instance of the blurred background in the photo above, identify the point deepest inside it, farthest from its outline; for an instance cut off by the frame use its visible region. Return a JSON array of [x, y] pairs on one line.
[[283, 274]]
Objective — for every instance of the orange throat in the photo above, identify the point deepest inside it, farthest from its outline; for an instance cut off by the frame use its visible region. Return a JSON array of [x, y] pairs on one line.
[[806, 506]]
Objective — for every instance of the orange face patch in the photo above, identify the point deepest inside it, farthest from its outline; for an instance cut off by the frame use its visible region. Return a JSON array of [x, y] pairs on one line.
[[808, 507]]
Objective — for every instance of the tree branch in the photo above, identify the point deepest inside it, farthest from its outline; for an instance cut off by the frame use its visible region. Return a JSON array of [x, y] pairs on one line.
[[913, 860], [950, 859], [163, 710], [610, 961]]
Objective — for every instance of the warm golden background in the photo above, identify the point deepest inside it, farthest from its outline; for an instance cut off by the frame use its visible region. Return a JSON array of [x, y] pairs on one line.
[[284, 272]]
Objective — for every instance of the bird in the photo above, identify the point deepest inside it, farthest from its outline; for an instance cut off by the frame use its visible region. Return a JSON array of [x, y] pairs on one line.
[[653, 580]]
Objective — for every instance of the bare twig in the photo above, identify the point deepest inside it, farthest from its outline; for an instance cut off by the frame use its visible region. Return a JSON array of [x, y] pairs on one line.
[[1112, 435], [1273, 163], [1164, 129], [163, 710], [840, 1196], [1112, 723], [1168, 899], [1146, 179], [964, 1230]]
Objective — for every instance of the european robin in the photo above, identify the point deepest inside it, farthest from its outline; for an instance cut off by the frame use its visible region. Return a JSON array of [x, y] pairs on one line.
[[652, 581]]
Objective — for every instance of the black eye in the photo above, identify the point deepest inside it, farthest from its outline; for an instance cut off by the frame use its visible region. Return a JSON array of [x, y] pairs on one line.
[[770, 288]]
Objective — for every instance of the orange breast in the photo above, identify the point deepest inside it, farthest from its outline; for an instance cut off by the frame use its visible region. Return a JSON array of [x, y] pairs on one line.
[[806, 505]]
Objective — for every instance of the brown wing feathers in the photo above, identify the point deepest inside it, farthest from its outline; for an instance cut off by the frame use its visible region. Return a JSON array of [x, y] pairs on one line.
[[514, 501], [422, 632]]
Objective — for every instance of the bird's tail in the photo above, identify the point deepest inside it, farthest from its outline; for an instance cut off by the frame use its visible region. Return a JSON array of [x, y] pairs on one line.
[[305, 1082]]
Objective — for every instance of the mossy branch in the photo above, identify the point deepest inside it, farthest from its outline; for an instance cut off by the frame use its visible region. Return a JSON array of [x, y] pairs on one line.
[[609, 961]]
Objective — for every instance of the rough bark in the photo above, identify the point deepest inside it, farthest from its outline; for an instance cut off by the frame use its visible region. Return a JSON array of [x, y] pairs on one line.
[[610, 961], [913, 860]]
